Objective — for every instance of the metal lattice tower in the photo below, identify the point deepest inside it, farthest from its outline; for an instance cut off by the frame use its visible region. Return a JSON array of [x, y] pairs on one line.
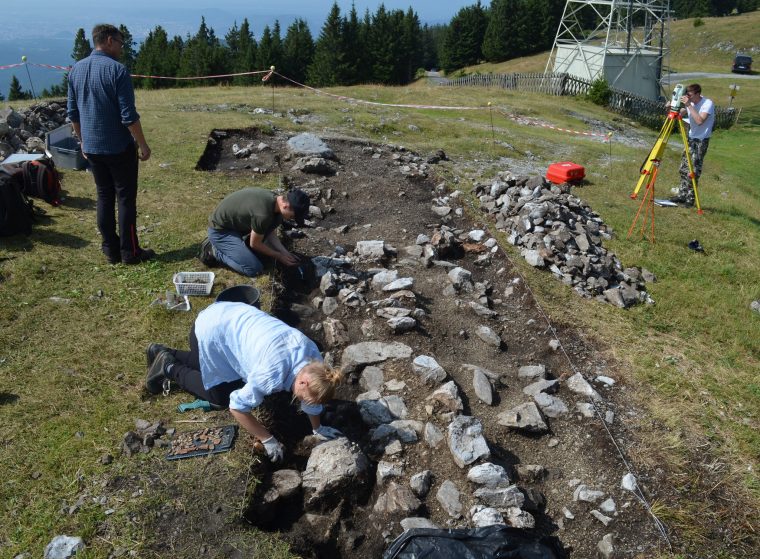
[[623, 41]]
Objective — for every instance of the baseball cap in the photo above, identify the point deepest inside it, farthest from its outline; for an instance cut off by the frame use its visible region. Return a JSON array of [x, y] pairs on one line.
[[299, 203]]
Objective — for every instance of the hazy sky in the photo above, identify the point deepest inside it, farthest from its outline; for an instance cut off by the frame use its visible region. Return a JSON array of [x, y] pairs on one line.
[[54, 17], [43, 30]]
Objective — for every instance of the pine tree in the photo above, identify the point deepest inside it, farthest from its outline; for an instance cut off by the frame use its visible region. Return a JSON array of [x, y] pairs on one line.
[[328, 51], [246, 60], [264, 53], [499, 39], [16, 93], [298, 51], [128, 53], [82, 48], [276, 52], [432, 36], [411, 46], [385, 44], [464, 37], [158, 56], [202, 54], [356, 63]]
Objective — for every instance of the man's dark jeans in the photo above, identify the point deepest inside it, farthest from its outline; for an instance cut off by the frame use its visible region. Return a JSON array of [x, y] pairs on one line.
[[116, 181]]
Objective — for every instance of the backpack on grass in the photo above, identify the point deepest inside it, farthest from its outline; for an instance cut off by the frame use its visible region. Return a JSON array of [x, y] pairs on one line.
[[41, 180], [16, 210]]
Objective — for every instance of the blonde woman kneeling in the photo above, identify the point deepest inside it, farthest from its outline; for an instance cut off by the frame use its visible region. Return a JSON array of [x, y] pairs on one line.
[[240, 354]]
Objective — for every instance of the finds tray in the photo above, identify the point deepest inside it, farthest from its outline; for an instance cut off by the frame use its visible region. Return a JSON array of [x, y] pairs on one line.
[[210, 440], [194, 283]]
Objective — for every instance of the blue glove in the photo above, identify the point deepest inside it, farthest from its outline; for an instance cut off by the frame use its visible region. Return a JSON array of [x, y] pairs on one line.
[[325, 433]]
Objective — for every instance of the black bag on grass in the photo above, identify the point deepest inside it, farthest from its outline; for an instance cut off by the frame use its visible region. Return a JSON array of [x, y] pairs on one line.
[[16, 210], [490, 542], [41, 180]]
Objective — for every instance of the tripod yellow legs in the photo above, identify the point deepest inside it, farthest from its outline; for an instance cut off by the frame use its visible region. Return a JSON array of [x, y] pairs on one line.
[[647, 201], [648, 168]]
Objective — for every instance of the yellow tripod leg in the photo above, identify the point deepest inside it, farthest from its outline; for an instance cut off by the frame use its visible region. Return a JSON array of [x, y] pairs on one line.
[[692, 175], [655, 155]]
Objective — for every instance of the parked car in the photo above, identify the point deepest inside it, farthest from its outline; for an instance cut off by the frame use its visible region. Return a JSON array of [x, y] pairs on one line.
[[742, 64]]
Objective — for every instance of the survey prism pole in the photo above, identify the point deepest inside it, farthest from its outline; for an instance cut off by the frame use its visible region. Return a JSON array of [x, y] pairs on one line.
[[28, 75]]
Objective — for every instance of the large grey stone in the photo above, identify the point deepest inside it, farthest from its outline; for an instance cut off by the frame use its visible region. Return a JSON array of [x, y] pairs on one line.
[[368, 353], [428, 369], [315, 165], [285, 484], [518, 518], [541, 386], [551, 406], [448, 396], [401, 324], [482, 386], [525, 417], [370, 249], [488, 336], [397, 499], [501, 498], [488, 474], [466, 441], [482, 310], [532, 371], [583, 493], [606, 546], [335, 331], [372, 378], [63, 547], [580, 385], [399, 284], [459, 277], [485, 516], [449, 497], [333, 467], [375, 412], [383, 278], [309, 144], [433, 435], [420, 483], [388, 470], [417, 522]]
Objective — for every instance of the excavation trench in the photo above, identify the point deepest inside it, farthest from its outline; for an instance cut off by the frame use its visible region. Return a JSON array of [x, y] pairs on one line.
[[388, 194]]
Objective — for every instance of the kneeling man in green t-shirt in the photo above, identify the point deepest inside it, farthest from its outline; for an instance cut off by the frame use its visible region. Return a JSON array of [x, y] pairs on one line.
[[258, 212]]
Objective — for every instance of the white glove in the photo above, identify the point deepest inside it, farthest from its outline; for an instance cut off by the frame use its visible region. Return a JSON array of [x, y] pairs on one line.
[[325, 433], [274, 448]]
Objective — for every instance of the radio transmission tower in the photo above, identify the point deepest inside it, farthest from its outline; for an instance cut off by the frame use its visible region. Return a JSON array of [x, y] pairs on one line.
[[622, 41]]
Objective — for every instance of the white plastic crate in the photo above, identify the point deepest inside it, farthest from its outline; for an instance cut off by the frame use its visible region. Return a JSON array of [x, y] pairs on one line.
[[194, 283]]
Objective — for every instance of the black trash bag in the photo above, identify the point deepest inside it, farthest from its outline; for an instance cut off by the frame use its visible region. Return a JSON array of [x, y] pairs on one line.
[[489, 542]]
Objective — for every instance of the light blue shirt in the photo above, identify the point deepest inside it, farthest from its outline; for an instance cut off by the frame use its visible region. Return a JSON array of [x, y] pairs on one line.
[[237, 341]]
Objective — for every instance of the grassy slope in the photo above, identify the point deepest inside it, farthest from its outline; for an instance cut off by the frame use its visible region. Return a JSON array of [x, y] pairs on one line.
[[78, 367]]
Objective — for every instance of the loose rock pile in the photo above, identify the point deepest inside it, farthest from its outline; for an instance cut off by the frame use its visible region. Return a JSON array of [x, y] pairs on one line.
[[556, 229], [24, 131]]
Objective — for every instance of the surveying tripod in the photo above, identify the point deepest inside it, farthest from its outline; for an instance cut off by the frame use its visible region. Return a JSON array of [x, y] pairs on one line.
[[651, 163]]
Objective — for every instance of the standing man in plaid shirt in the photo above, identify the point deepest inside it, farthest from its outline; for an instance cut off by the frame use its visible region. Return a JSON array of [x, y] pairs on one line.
[[101, 107]]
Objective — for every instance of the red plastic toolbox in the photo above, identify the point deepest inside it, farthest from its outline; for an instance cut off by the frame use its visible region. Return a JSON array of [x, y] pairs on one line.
[[565, 172]]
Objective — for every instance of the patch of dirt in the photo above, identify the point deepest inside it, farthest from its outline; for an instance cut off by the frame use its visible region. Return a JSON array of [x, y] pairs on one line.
[[377, 201]]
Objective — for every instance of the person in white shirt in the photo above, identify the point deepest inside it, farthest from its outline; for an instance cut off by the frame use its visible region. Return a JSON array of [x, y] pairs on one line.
[[699, 113], [240, 354]]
